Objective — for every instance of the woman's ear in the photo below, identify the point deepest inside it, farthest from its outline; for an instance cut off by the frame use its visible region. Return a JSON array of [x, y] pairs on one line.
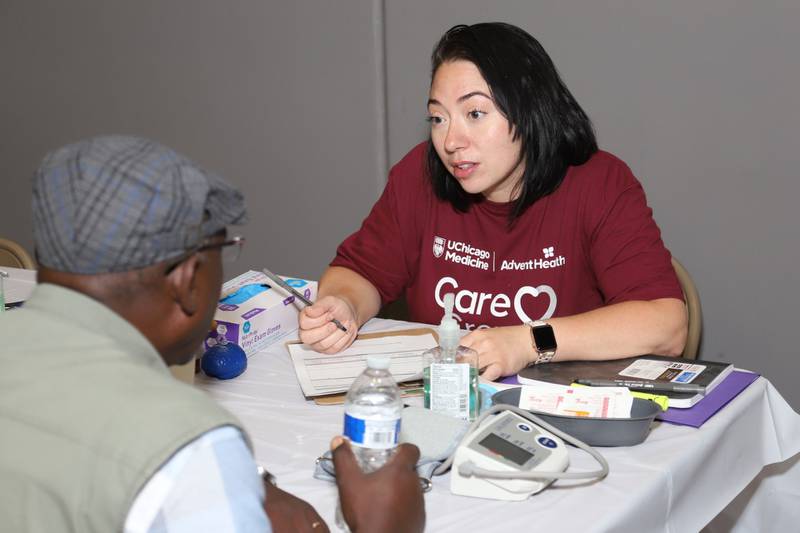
[[183, 284]]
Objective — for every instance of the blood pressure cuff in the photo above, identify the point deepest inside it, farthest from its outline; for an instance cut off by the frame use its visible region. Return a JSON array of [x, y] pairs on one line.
[[436, 435]]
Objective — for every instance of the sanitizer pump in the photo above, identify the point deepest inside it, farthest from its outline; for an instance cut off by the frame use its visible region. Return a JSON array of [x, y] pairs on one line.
[[450, 371]]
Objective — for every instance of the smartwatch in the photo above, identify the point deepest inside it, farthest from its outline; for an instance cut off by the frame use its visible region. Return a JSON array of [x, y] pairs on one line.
[[543, 340]]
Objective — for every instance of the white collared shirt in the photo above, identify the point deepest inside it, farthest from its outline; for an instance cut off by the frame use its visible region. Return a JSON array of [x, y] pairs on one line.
[[211, 484]]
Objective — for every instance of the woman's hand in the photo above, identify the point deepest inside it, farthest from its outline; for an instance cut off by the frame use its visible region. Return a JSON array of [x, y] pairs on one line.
[[501, 351], [317, 329]]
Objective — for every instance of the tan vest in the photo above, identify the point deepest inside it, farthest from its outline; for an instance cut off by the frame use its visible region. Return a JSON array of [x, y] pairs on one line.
[[88, 412]]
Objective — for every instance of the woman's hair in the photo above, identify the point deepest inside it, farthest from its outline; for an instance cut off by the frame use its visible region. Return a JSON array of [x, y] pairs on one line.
[[555, 132]]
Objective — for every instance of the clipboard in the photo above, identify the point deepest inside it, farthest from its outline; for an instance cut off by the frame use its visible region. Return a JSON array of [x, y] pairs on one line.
[[412, 388], [408, 389]]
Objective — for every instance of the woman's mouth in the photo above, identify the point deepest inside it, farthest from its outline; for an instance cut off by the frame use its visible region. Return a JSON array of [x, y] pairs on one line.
[[463, 169]]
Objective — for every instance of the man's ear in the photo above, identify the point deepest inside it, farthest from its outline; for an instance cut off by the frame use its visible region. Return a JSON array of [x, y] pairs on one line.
[[182, 282]]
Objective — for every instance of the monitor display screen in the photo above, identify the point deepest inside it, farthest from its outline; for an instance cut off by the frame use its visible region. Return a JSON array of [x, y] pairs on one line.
[[505, 449]]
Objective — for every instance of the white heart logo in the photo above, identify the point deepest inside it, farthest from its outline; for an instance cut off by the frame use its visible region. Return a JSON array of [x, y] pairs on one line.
[[535, 292]]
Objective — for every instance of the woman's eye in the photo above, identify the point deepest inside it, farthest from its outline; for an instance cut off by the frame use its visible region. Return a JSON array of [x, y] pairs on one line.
[[476, 114], [434, 120]]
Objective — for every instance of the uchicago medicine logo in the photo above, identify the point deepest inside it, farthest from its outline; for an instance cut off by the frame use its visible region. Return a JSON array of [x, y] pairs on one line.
[[461, 252], [438, 246]]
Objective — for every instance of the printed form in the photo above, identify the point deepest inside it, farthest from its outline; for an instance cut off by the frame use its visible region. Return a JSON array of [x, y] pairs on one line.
[[321, 374], [593, 402], [18, 285]]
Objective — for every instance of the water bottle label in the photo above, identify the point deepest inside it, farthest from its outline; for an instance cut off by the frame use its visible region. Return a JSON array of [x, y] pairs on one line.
[[450, 389], [376, 434]]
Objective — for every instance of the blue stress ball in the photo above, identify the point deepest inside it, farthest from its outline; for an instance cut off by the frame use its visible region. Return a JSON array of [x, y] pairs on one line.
[[224, 360]]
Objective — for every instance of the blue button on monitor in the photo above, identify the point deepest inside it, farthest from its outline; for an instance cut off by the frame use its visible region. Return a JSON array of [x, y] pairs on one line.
[[524, 427], [547, 442]]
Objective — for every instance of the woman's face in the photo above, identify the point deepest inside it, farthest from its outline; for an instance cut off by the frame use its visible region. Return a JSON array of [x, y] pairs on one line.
[[471, 136]]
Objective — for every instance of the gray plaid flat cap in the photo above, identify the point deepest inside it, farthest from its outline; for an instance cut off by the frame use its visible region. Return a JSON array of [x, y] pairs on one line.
[[118, 203]]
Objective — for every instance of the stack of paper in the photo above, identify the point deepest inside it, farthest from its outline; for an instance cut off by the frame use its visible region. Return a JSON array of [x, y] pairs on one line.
[[18, 285], [321, 374]]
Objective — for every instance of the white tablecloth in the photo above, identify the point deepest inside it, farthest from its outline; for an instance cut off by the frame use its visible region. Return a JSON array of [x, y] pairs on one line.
[[678, 480]]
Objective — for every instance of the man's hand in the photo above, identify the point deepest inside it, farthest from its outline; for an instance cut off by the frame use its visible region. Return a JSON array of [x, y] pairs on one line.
[[317, 330], [387, 500], [289, 513], [501, 351]]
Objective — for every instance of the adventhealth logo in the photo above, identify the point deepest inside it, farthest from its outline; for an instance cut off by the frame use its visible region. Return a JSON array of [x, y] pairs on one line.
[[461, 253], [549, 261]]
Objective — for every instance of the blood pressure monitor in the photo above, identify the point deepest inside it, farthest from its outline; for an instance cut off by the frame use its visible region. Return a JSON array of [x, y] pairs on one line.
[[503, 446]]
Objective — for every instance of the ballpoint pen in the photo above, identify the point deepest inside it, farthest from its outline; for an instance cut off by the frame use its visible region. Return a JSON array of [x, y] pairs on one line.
[[655, 386], [297, 294]]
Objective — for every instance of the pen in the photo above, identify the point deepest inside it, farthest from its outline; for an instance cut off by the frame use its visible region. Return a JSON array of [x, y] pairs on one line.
[[655, 386], [297, 294]]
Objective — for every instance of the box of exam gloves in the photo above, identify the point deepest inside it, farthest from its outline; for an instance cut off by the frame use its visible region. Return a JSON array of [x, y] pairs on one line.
[[253, 313]]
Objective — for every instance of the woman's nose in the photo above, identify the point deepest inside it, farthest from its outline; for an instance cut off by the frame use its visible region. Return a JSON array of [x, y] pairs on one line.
[[456, 138]]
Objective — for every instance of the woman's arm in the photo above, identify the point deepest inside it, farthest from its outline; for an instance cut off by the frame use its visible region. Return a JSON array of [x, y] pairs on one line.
[[615, 331]]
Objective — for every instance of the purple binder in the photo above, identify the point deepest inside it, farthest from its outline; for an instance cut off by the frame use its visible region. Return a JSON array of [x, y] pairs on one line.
[[510, 380], [696, 415]]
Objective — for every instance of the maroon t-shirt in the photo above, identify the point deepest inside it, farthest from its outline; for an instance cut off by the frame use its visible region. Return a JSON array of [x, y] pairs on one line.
[[591, 243]]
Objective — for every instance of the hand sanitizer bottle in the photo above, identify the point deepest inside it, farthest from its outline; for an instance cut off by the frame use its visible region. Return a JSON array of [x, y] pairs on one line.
[[450, 371]]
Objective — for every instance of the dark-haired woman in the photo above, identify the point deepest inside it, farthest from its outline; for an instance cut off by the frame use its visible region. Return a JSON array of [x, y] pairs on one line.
[[547, 242]]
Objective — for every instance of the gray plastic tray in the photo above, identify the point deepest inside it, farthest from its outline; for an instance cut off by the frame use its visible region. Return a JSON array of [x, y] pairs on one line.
[[596, 431]]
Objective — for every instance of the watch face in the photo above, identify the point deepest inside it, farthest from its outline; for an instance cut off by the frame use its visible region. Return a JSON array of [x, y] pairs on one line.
[[545, 338]]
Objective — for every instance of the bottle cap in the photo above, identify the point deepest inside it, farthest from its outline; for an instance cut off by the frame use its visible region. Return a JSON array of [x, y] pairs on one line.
[[378, 362]]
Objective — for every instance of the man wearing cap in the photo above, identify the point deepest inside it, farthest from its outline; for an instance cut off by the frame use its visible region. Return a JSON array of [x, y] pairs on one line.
[[95, 434]]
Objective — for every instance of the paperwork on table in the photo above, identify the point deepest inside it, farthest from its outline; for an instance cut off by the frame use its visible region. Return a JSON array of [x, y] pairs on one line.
[[594, 402], [18, 285], [321, 374]]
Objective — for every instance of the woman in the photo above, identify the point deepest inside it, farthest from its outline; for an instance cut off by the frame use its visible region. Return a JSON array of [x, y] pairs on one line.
[[548, 243]]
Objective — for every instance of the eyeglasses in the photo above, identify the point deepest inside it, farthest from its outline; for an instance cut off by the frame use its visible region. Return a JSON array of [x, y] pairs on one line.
[[231, 249]]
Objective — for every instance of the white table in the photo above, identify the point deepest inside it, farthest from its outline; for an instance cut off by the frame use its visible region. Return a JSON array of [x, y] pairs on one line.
[[678, 480]]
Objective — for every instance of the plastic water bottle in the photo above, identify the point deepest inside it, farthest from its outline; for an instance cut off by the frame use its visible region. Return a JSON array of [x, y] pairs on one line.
[[372, 412]]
